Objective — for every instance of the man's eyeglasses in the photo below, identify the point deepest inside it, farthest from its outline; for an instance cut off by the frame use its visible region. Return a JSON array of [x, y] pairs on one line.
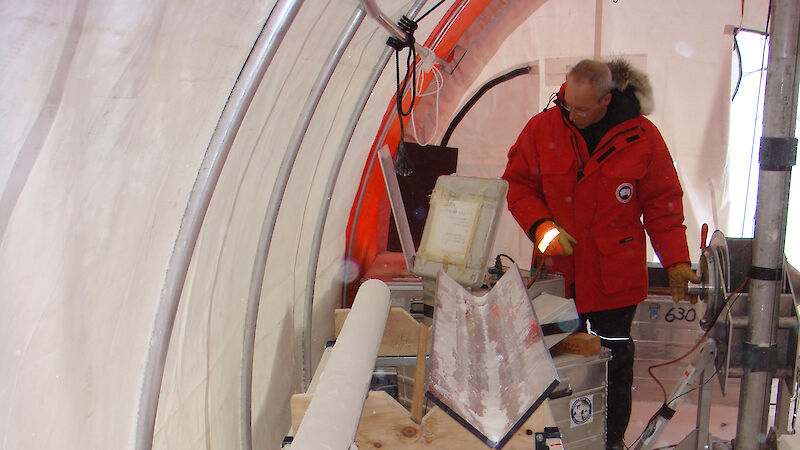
[[580, 111]]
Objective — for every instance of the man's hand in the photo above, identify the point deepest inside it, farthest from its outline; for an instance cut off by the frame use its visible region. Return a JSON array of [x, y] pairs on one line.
[[552, 240], [679, 277]]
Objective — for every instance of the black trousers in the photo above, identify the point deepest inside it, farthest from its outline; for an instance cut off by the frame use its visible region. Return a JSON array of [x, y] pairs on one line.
[[614, 328]]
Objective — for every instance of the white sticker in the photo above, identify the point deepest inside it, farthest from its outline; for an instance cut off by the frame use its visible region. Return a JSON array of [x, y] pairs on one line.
[[624, 192], [453, 229], [581, 410]]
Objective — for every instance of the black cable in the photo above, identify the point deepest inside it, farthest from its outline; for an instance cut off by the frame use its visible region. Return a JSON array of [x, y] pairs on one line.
[[402, 165], [739, 58], [716, 371], [430, 11], [411, 65], [739, 55], [474, 99], [509, 258], [553, 97], [642, 433], [729, 304]]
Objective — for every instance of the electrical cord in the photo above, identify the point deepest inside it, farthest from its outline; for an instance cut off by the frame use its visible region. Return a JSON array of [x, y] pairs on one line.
[[653, 417], [739, 59], [716, 371], [402, 165], [438, 78], [508, 257], [535, 275], [728, 305], [430, 10]]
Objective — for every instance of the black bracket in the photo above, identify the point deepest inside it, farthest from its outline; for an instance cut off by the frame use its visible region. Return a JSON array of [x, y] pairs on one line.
[[409, 27], [666, 412], [549, 433], [759, 359], [777, 154], [765, 273]]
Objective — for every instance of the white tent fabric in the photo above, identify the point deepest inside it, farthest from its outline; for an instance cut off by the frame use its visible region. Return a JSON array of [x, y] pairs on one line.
[[687, 59], [106, 111]]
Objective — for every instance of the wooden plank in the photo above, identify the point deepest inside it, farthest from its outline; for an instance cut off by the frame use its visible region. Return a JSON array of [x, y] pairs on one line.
[[400, 336], [419, 375], [386, 424], [578, 344]]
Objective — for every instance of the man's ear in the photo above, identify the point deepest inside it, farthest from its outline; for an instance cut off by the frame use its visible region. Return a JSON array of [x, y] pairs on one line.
[[606, 99]]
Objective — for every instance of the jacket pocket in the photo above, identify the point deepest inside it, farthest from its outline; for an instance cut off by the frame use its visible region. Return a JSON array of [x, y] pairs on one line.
[[558, 180], [622, 260]]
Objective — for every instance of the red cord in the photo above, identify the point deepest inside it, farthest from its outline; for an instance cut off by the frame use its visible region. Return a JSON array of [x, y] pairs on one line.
[[696, 345], [538, 271]]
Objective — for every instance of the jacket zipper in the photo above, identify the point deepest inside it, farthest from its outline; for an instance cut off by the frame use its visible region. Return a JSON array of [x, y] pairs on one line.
[[574, 141]]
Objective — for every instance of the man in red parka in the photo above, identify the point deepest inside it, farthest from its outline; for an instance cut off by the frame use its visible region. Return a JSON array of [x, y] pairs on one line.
[[586, 180]]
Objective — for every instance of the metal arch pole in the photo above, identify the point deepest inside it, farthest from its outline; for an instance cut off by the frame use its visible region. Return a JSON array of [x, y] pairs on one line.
[[320, 84], [259, 59], [268, 228], [780, 107]]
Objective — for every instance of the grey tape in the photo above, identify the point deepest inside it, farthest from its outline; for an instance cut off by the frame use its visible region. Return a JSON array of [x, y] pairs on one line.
[[778, 153]]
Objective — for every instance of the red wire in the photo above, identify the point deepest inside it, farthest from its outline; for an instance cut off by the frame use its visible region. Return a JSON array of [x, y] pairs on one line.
[[538, 271], [696, 345]]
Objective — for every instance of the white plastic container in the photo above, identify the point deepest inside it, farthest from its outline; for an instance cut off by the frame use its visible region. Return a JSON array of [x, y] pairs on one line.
[[461, 227]]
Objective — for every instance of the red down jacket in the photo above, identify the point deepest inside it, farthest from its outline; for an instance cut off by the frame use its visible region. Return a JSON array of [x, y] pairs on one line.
[[629, 176]]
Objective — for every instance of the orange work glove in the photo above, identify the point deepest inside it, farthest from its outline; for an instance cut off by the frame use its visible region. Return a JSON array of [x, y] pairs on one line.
[[679, 277], [552, 240]]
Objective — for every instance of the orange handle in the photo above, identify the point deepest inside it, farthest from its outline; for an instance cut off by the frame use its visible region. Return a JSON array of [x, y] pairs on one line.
[[703, 236]]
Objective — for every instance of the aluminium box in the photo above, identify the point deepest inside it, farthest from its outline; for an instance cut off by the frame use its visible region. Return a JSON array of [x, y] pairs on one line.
[[579, 402]]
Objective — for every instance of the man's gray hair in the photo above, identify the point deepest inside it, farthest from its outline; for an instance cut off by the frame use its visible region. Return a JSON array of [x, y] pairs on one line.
[[595, 72]]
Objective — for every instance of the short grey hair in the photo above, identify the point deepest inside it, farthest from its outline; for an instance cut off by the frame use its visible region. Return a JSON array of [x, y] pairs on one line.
[[595, 72]]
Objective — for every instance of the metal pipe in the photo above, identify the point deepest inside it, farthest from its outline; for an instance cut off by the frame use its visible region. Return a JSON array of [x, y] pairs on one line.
[[783, 322], [375, 12], [268, 229], [298, 135], [316, 244], [780, 106], [230, 120], [738, 372]]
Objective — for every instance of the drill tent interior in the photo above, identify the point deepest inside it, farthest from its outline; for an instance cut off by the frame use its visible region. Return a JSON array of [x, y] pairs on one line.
[[149, 147]]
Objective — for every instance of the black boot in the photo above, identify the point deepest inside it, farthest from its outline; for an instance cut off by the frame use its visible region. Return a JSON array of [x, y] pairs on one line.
[[616, 445]]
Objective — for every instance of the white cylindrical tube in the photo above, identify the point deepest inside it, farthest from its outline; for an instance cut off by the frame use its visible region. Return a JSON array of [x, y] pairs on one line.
[[332, 417]]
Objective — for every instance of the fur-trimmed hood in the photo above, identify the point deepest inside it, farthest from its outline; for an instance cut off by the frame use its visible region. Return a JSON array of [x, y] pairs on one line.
[[626, 77]]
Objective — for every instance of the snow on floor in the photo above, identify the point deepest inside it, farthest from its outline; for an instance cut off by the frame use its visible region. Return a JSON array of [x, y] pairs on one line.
[[722, 426]]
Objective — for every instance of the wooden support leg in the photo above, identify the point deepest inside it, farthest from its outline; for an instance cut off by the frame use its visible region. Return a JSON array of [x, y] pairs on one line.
[[419, 375]]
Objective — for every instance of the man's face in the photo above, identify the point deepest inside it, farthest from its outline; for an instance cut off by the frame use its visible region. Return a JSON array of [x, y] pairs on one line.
[[581, 101]]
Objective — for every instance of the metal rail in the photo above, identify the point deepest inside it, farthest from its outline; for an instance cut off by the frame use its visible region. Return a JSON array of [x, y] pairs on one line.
[[259, 59], [776, 159], [268, 229]]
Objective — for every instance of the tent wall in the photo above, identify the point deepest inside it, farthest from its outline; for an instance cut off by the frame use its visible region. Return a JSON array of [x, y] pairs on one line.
[[120, 103], [107, 107], [106, 111], [687, 58], [675, 54]]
